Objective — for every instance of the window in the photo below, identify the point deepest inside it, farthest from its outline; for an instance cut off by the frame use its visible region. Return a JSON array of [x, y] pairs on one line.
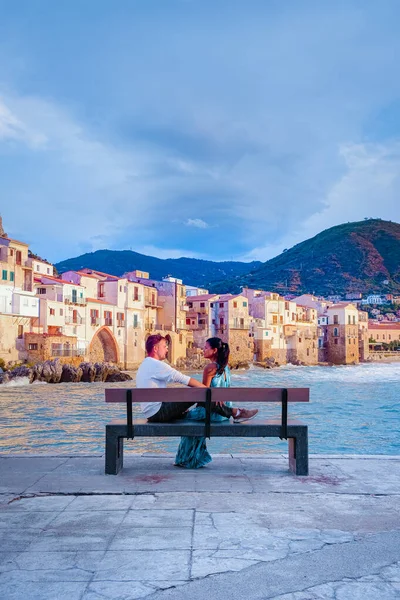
[[281, 319], [108, 317], [41, 291], [202, 322], [221, 320], [11, 275], [187, 321], [286, 305], [335, 331], [61, 312], [202, 304], [308, 351], [235, 305], [4, 276], [336, 341], [293, 317], [299, 340], [101, 290], [48, 270], [349, 319], [237, 348], [32, 346], [38, 268], [212, 304], [120, 288], [20, 332], [335, 319], [244, 303], [11, 252], [18, 257], [52, 311], [274, 320], [136, 293], [354, 320], [221, 305], [135, 321]]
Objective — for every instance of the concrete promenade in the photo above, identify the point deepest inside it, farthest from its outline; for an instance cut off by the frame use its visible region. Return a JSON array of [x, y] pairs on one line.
[[242, 528]]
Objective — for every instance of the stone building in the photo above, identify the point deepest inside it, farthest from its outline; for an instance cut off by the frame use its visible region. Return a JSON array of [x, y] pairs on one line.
[[342, 343], [19, 308]]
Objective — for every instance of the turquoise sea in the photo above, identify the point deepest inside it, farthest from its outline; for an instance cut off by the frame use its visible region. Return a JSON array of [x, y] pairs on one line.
[[353, 410]]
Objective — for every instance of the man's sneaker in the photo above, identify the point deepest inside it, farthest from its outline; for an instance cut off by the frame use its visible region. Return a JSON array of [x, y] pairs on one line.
[[244, 415]]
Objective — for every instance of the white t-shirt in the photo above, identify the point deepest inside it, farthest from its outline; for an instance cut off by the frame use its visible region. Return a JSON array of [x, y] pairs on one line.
[[154, 373]]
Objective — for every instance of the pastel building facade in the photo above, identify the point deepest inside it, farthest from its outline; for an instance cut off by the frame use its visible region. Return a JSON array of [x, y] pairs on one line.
[[19, 308]]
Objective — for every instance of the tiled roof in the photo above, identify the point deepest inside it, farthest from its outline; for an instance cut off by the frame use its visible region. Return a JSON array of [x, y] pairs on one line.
[[95, 272], [99, 301], [200, 298], [385, 325]]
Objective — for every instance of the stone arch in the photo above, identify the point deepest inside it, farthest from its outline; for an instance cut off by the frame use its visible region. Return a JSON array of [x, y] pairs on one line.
[[104, 347]]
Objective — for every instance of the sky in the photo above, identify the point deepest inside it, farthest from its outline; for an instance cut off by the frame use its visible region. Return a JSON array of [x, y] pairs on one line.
[[218, 129]]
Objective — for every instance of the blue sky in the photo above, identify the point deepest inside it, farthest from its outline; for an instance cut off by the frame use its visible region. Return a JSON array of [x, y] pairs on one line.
[[213, 129]]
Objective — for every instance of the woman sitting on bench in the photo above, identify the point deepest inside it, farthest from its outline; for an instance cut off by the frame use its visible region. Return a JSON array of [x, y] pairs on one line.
[[192, 451]]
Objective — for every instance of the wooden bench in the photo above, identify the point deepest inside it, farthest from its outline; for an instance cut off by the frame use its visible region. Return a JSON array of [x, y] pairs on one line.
[[295, 432]]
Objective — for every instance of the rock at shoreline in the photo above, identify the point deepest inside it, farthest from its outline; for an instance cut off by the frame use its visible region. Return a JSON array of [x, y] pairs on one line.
[[53, 371], [71, 374]]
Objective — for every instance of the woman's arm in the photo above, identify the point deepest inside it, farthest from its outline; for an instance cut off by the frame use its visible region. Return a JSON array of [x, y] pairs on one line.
[[208, 374]]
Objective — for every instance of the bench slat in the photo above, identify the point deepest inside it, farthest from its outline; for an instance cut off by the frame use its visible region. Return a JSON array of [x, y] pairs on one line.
[[238, 395]]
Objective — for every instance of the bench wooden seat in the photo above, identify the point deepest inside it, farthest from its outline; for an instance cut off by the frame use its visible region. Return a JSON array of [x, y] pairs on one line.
[[293, 430]]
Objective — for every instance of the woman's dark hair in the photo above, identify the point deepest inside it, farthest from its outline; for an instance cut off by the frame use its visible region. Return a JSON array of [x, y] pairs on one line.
[[222, 354]]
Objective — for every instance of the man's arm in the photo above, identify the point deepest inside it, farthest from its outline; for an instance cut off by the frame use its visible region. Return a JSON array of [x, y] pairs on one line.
[[195, 383]]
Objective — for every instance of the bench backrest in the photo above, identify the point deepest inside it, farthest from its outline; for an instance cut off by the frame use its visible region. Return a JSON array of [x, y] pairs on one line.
[[207, 395], [238, 395]]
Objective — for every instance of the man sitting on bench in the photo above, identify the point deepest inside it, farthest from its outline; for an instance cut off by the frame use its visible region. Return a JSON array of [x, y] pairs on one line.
[[154, 373]]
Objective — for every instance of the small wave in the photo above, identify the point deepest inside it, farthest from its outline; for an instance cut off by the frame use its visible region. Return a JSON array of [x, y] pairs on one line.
[[19, 382]]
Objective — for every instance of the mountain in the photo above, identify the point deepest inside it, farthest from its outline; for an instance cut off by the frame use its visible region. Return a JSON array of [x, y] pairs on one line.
[[353, 257], [201, 273]]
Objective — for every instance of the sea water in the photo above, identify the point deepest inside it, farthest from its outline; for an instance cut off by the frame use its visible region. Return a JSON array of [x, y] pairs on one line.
[[352, 410]]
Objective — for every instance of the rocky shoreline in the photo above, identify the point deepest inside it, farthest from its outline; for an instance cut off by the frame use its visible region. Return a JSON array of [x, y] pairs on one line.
[[53, 371]]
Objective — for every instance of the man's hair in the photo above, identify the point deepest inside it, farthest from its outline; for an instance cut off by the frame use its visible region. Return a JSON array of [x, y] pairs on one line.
[[152, 341]]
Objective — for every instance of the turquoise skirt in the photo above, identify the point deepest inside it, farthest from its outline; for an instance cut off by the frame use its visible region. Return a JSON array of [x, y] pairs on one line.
[[192, 451]]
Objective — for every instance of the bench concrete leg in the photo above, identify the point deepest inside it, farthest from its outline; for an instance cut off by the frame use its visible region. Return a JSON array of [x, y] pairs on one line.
[[298, 454], [114, 454]]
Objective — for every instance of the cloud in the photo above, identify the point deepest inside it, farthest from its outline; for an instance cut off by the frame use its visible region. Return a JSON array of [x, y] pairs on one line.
[[199, 223], [369, 187], [11, 128], [272, 122]]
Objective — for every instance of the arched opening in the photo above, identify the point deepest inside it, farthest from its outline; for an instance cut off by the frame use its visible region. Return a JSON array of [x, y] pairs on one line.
[[168, 339], [103, 347]]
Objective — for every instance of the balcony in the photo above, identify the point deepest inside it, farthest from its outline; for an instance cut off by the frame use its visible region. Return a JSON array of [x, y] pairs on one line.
[[239, 326], [95, 321], [67, 352], [71, 320], [137, 298], [75, 300], [121, 323]]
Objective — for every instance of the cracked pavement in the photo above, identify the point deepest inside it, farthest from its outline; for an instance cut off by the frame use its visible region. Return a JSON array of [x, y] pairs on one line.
[[242, 527]]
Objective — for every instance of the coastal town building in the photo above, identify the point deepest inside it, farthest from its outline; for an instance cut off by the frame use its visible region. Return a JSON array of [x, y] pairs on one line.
[[225, 316], [342, 339], [172, 310], [381, 334], [19, 308], [282, 329]]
